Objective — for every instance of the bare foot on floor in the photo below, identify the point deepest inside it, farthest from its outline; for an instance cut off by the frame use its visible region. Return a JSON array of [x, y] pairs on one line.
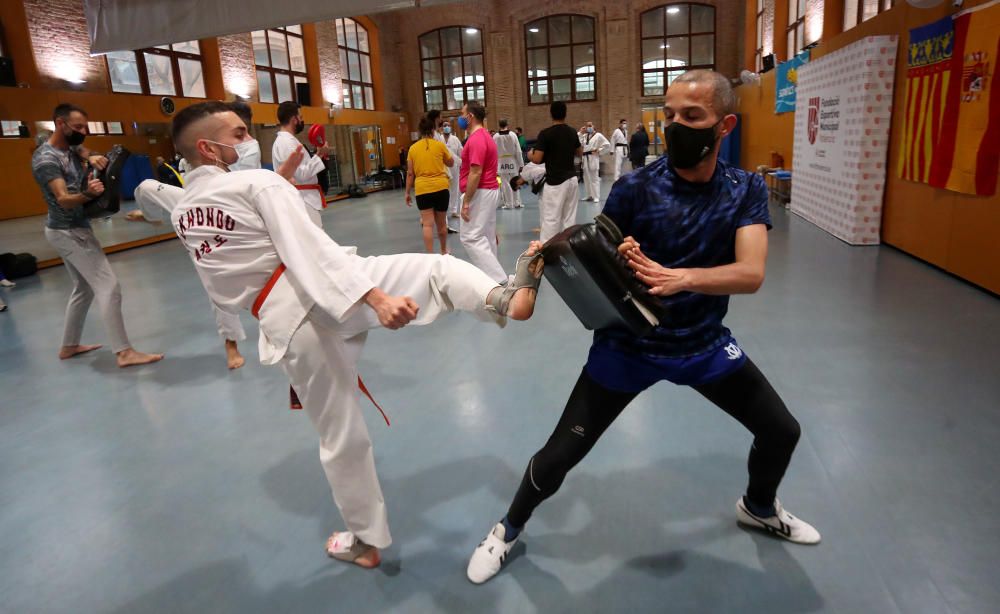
[[345, 547], [130, 358], [233, 357], [69, 351]]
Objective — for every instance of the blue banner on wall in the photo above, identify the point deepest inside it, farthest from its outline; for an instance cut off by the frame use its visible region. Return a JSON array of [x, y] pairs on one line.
[[786, 82]]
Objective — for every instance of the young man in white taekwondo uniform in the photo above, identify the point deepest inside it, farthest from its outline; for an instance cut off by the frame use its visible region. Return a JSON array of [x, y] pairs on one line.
[[510, 163], [290, 119], [619, 139], [316, 300], [594, 146], [454, 146], [158, 200]]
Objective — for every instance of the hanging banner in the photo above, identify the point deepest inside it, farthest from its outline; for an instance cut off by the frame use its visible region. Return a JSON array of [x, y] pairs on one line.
[[951, 131], [843, 111], [785, 82]]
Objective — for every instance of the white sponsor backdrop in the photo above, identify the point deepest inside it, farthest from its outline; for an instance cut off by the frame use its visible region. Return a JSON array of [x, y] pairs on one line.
[[843, 110]]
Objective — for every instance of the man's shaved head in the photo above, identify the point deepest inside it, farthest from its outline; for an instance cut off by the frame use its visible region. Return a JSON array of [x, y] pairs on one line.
[[210, 120]]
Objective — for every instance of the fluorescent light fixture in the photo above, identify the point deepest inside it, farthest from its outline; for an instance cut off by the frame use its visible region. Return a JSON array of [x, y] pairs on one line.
[[672, 10], [471, 30], [664, 46], [533, 30]]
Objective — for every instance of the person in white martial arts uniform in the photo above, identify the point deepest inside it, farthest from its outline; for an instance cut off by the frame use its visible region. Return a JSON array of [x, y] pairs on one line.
[[290, 119], [315, 301], [619, 140], [157, 200], [510, 163], [454, 146], [481, 192], [594, 146], [557, 147], [58, 168]]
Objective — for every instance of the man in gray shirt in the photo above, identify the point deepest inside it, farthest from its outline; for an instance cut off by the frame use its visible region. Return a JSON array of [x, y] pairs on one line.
[[58, 167]]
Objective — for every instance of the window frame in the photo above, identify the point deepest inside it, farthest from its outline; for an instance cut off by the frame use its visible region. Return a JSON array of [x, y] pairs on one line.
[[175, 66], [272, 70], [665, 37], [881, 7], [443, 88], [346, 82], [759, 52], [548, 46], [795, 28]]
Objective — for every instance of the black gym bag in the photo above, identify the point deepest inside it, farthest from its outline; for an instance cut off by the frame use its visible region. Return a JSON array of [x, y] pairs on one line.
[[18, 265], [109, 202], [583, 265]]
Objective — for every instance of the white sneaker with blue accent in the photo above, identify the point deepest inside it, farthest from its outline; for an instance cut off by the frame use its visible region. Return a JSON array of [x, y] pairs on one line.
[[489, 555], [782, 524]]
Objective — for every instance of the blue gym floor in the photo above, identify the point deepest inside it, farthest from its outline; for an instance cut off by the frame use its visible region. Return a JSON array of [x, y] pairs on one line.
[[183, 487]]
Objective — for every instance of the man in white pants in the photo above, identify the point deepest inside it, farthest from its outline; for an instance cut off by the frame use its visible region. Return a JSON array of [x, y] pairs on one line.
[[57, 166], [290, 118], [594, 145], [510, 164], [481, 192], [557, 148], [454, 146], [316, 300], [619, 140]]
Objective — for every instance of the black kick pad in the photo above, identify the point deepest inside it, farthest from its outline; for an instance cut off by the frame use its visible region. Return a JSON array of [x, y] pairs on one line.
[[583, 265], [109, 202]]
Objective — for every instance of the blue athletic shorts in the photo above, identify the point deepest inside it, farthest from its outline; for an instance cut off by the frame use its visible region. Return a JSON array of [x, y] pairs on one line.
[[630, 372]]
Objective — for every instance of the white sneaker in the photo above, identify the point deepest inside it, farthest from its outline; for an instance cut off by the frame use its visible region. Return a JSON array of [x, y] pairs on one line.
[[489, 555], [782, 524], [6, 283]]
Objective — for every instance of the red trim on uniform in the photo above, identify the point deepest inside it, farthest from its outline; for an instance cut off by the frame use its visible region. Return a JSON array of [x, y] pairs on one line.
[[364, 389], [314, 186], [259, 302]]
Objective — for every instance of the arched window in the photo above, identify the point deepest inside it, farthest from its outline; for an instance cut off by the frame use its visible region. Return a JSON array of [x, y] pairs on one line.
[[170, 70], [560, 51], [280, 59], [451, 61], [355, 65], [675, 38]]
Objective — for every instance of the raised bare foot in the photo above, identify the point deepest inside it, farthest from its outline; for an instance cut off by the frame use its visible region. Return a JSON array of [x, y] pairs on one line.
[[69, 351], [130, 358], [344, 546], [233, 357]]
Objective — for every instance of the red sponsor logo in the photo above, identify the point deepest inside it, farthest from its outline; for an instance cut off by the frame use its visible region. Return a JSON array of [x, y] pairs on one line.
[[812, 124]]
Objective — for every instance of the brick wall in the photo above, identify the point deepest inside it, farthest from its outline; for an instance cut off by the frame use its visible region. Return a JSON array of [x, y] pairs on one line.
[[502, 21], [329, 61], [238, 74], [61, 45]]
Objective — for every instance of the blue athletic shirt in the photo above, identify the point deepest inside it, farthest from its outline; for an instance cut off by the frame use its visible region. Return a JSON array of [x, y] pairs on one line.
[[682, 225]]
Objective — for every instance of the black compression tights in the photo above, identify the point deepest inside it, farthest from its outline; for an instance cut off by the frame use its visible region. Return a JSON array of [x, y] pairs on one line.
[[745, 395]]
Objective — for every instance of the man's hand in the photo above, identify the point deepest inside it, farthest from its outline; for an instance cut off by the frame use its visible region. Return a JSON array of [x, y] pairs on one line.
[[661, 280], [394, 312], [465, 210], [287, 168], [323, 151], [98, 161], [94, 188]]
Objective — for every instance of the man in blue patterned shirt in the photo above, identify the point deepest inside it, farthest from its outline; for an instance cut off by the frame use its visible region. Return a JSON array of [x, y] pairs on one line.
[[696, 233]]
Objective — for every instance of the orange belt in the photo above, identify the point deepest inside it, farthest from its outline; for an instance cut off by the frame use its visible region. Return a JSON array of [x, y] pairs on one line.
[[314, 186], [294, 398]]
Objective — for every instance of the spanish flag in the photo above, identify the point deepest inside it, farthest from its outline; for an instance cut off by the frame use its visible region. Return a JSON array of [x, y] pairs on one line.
[[951, 133]]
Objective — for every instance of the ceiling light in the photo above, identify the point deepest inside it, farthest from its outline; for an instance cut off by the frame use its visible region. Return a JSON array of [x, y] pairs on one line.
[[471, 30], [533, 30], [664, 46], [673, 10]]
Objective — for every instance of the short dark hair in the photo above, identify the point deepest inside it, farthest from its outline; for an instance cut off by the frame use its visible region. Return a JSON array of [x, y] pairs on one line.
[[558, 110], [64, 110], [518, 129], [433, 115], [503, 123], [426, 126], [193, 113], [622, 120], [243, 110], [287, 110], [477, 109]]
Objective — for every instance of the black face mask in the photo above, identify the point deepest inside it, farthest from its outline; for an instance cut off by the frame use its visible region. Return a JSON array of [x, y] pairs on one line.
[[299, 126], [687, 146], [75, 138]]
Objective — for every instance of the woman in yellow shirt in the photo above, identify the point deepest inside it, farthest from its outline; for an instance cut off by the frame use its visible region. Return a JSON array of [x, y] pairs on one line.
[[425, 171]]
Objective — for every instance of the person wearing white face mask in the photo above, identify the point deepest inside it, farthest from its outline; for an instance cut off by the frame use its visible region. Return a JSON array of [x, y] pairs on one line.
[[619, 139], [290, 118], [511, 162], [454, 146], [594, 145], [157, 201]]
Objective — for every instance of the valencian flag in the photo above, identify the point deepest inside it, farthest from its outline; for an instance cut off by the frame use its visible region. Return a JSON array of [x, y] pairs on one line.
[[951, 130]]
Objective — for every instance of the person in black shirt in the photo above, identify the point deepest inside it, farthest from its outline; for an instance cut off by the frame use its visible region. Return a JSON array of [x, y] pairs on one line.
[[638, 147], [556, 147]]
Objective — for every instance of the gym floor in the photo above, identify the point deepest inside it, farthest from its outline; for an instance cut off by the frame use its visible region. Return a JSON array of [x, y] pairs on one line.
[[183, 487]]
